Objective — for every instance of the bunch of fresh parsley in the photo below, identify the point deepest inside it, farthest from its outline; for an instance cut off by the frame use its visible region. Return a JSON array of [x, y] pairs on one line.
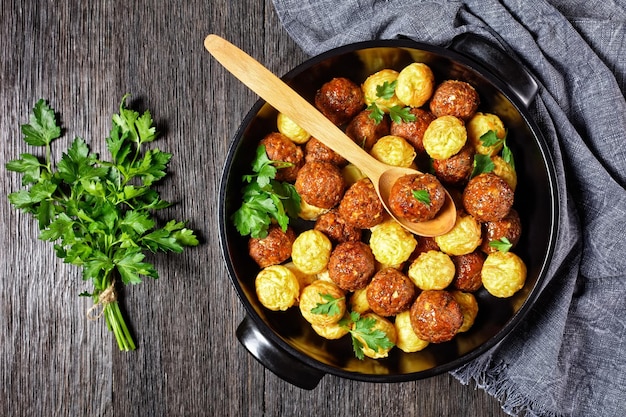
[[100, 213]]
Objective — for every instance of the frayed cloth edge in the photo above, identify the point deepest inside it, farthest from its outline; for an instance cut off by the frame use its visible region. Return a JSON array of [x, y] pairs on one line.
[[492, 379]]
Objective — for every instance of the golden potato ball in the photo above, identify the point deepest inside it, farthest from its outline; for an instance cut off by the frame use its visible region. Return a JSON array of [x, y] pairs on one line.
[[469, 308], [310, 251], [358, 301], [277, 287], [303, 279], [391, 243], [432, 270], [416, 83], [505, 171], [309, 211], [503, 274], [313, 295], [385, 326], [331, 331], [480, 124], [375, 80], [351, 173], [394, 151], [444, 137], [291, 129], [407, 341], [463, 238]]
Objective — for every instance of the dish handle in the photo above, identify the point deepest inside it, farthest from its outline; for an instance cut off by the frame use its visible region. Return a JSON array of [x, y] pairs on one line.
[[275, 358], [499, 63]]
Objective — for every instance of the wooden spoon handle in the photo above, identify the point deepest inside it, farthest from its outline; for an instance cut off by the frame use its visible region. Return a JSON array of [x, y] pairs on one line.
[[280, 96]]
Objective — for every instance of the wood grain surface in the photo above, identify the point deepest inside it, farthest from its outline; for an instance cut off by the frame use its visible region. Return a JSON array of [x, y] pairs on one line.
[[83, 56]]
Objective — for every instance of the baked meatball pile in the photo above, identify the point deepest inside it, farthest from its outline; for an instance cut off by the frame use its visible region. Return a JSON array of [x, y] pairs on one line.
[[352, 254]]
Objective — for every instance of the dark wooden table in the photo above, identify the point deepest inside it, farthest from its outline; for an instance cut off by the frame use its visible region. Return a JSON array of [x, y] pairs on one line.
[[83, 56]]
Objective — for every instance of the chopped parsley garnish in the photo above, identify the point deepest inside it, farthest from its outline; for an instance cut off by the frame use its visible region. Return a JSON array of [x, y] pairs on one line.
[[503, 244]]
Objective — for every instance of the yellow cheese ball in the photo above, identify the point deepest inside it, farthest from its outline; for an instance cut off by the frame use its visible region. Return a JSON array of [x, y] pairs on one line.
[[358, 301], [309, 211], [312, 296], [310, 251], [505, 171], [463, 238], [277, 287], [330, 331], [407, 341], [351, 173], [480, 124], [469, 308], [303, 279], [416, 83], [503, 274], [388, 328], [378, 79], [432, 270], [444, 137], [391, 243], [394, 151], [293, 131]]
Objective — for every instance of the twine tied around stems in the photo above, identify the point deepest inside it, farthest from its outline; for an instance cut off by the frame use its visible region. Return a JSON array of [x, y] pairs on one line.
[[106, 297]]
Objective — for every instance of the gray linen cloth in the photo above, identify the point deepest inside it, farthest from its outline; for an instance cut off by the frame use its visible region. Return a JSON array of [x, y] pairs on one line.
[[569, 355]]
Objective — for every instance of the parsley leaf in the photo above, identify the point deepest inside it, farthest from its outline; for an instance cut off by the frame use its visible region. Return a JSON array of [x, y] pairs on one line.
[[43, 128], [330, 307], [99, 213], [401, 114], [482, 165], [422, 196], [503, 244]]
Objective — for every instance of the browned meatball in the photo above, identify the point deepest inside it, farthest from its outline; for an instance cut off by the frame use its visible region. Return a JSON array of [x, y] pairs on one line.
[[457, 169], [273, 249], [413, 131], [390, 292], [339, 99], [406, 205], [279, 147], [436, 316], [487, 197], [336, 228], [509, 227], [424, 244], [361, 206], [315, 150], [320, 184], [351, 265], [455, 98], [467, 271], [365, 131]]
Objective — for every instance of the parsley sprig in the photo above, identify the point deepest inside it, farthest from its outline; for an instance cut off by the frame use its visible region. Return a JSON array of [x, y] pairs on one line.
[[397, 113], [99, 213], [265, 199], [483, 163], [361, 329]]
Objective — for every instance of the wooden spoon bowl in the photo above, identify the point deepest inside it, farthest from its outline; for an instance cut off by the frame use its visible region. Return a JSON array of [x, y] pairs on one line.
[[285, 100]]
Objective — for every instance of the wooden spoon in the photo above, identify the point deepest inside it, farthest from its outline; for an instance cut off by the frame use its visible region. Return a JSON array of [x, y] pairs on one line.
[[280, 96]]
